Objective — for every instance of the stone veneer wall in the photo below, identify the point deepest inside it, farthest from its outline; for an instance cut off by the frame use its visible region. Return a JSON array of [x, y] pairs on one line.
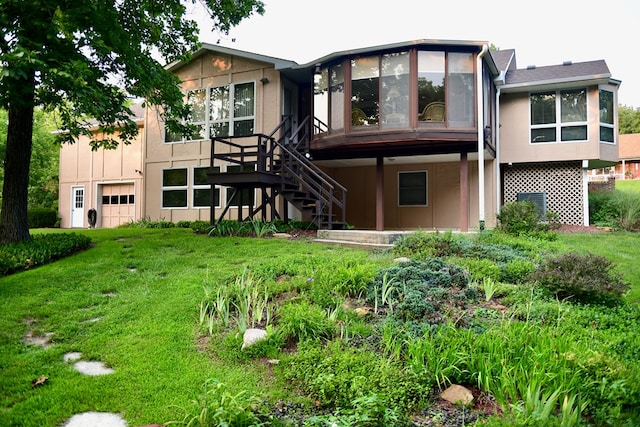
[[562, 181]]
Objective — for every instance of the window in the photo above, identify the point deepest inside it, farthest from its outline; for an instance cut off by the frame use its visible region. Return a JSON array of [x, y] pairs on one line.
[[412, 188], [460, 89], [395, 90], [336, 98], [606, 116], [562, 113], [431, 87], [174, 188], [365, 81], [214, 115], [245, 196], [202, 188]]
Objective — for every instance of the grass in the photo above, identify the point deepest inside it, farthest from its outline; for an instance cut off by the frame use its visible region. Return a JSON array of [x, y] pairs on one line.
[[134, 300], [629, 185], [145, 287]]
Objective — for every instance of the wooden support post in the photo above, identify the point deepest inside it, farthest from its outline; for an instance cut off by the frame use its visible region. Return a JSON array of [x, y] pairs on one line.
[[464, 192], [379, 193]]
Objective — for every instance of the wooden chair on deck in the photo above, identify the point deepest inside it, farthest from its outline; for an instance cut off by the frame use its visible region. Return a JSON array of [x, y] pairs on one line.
[[433, 112]]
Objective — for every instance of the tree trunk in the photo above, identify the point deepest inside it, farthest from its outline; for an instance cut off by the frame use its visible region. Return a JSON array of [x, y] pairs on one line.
[[13, 216]]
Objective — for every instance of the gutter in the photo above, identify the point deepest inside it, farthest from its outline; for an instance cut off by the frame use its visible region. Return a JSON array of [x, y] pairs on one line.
[[480, 127]]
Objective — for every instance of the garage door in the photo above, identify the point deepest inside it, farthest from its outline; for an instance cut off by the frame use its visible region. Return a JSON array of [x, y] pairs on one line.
[[118, 205]]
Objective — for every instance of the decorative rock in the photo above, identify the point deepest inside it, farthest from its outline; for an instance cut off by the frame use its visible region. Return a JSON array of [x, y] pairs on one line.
[[402, 259], [458, 395], [282, 235], [362, 311], [105, 419], [252, 336]]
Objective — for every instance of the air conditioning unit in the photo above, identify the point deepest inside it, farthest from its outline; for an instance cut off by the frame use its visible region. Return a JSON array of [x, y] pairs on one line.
[[539, 199]]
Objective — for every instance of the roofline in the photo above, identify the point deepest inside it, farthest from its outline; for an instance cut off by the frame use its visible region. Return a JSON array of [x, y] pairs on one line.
[[589, 80], [391, 46], [278, 63]]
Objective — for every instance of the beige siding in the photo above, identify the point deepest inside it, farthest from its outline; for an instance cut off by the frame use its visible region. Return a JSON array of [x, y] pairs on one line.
[[208, 70], [79, 166], [443, 204], [515, 146]]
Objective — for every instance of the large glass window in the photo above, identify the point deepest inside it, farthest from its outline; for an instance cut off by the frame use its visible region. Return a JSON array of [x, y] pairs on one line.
[[336, 94], [412, 188], [606, 116], [202, 188], [460, 89], [395, 90], [321, 96], [431, 87], [365, 91], [561, 113], [174, 188], [213, 115]]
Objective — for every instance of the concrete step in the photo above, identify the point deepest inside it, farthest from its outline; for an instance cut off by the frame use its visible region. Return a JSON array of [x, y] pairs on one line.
[[382, 239]]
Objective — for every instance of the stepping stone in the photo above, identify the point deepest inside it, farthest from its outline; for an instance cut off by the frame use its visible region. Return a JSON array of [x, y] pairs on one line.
[[96, 419], [72, 357], [92, 368]]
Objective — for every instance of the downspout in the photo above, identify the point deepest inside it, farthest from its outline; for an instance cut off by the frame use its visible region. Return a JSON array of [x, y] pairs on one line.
[[480, 127], [497, 139]]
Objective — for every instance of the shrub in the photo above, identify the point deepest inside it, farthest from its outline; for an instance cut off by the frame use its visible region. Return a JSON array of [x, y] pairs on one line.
[[522, 218], [423, 245], [602, 208], [42, 218], [628, 210], [589, 278], [422, 290], [40, 249]]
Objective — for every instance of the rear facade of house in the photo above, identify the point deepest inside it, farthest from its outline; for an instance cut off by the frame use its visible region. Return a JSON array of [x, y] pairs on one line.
[[427, 134]]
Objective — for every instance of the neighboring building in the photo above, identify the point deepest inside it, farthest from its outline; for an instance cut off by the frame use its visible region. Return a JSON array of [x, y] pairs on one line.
[[426, 134], [109, 181], [629, 165]]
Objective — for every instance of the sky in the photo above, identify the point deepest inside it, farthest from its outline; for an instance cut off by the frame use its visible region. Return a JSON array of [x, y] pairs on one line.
[[542, 32]]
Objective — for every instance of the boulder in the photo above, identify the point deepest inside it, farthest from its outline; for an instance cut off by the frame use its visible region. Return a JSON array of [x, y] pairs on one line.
[[458, 395], [252, 336]]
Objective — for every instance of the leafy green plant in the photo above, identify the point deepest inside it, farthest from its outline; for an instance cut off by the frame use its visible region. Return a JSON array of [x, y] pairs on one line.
[[300, 321], [40, 249], [219, 407], [585, 278], [516, 270], [262, 228]]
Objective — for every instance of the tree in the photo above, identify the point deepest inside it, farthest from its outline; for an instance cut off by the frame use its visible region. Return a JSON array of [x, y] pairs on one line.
[[43, 169], [84, 59], [628, 119]]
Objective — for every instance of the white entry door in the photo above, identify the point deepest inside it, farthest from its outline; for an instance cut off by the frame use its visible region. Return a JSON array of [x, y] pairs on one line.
[[77, 207]]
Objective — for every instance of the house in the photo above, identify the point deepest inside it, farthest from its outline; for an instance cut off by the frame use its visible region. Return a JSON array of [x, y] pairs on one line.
[[430, 134]]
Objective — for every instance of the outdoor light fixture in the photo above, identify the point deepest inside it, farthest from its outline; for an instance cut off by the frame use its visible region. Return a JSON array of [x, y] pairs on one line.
[[264, 80], [318, 70]]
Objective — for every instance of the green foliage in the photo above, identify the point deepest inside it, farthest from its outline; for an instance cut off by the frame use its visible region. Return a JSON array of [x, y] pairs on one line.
[[426, 291], [628, 119], [42, 218], [337, 375], [41, 249], [300, 321], [421, 244], [588, 278], [366, 411], [479, 268], [517, 270], [219, 407], [522, 218], [602, 208]]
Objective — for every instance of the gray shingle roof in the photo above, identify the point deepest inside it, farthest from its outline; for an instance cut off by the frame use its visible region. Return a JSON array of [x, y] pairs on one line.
[[571, 71], [504, 59]]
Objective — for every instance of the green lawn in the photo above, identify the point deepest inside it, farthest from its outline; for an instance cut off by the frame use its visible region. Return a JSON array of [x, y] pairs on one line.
[[629, 185], [133, 302]]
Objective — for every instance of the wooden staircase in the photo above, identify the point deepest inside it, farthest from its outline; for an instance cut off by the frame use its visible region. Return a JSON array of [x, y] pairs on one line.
[[278, 167]]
